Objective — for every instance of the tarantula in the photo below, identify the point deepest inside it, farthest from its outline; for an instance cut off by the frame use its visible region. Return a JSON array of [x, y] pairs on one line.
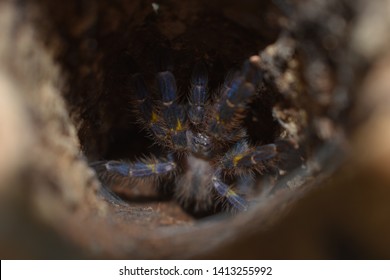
[[207, 149]]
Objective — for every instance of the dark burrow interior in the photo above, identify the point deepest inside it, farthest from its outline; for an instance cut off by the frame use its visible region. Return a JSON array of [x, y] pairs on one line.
[[105, 43]]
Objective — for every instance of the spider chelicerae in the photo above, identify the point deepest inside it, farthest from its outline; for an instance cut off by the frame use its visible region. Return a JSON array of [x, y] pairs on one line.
[[207, 152]]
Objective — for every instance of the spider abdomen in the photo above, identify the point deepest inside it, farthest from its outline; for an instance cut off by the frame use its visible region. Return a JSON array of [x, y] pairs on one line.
[[194, 185]]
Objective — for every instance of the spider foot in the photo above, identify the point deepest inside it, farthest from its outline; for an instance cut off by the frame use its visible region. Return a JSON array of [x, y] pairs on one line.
[[243, 158], [225, 191]]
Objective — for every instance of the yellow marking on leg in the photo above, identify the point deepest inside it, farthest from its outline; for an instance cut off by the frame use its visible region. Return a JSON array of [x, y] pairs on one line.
[[152, 167], [218, 119], [236, 159], [231, 193], [154, 117], [179, 126]]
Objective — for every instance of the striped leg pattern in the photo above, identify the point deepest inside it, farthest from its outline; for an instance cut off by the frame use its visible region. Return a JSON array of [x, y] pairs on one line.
[[242, 160], [198, 94], [228, 112], [145, 168]]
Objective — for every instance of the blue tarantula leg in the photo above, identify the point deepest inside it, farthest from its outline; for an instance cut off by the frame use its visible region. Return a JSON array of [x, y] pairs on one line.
[[242, 158], [173, 113], [167, 86], [236, 94], [150, 167], [227, 192], [198, 95], [145, 110]]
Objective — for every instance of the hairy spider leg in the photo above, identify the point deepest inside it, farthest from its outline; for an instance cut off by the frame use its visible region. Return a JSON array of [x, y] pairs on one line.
[[198, 94], [231, 81], [227, 192], [145, 168], [237, 92], [242, 158], [148, 114], [174, 114]]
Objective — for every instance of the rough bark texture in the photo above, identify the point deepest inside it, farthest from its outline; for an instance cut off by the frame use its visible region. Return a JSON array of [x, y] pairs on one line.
[[64, 95]]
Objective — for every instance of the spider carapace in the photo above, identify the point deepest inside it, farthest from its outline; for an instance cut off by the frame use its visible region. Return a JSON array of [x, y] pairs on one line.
[[206, 150]]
